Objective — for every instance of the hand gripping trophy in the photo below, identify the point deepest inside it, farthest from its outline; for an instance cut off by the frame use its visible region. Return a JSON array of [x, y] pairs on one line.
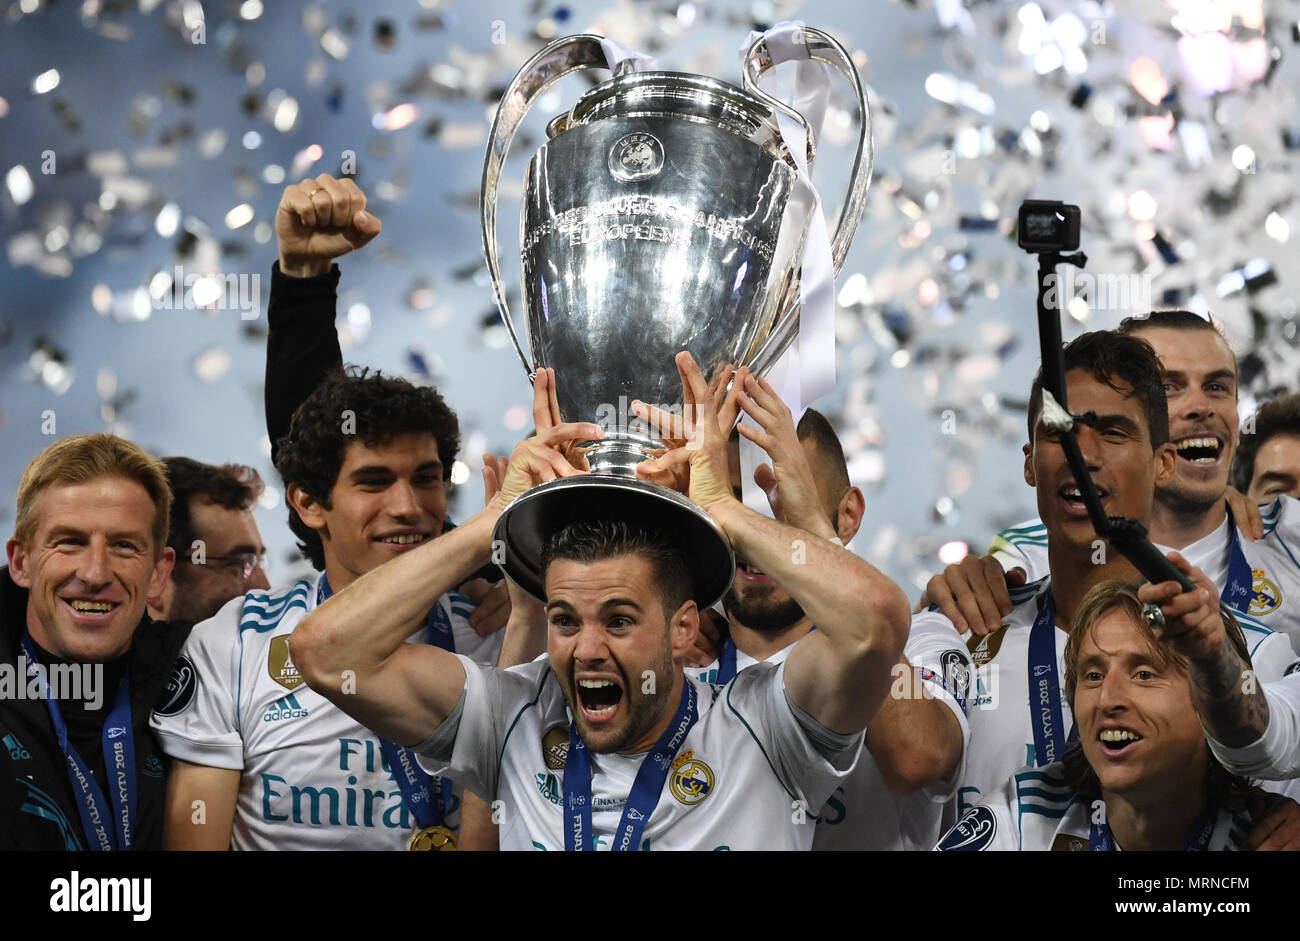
[[654, 220]]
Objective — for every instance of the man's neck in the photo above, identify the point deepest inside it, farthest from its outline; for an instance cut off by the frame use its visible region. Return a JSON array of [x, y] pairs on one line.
[[1074, 573], [339, 576], [1178, 525], [762, 644], [1154, 821]]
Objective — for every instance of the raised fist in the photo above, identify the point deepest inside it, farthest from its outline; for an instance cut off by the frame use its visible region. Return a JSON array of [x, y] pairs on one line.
[[319, 220]]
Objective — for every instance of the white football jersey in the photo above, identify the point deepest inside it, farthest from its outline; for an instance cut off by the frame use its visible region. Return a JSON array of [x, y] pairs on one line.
[[747, 776], [1035, 809], [863, 814], [312, 776], [1273, 595], [1275, 569], [1001, 712]]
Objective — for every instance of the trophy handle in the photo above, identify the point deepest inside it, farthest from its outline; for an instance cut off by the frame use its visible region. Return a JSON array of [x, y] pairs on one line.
[[582, 51], [823, 48]]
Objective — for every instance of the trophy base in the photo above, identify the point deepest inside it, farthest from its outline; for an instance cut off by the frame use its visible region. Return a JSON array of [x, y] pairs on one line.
[[526, 524]]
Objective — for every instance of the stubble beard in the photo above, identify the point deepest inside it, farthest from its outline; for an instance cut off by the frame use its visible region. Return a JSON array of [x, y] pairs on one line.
[[758, 611], [644, 709]]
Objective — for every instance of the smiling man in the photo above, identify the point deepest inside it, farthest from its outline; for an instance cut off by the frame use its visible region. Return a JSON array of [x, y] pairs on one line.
[[1267, 464], [1257, 575], [218, 548], [1141, 775], [366, 464], [606, 744], [1019, 717], [81, 662]]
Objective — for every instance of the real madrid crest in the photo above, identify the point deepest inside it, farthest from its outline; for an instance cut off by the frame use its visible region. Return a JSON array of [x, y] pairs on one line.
[[691, 780], [1265, 596], [635, 157], [280, 665]]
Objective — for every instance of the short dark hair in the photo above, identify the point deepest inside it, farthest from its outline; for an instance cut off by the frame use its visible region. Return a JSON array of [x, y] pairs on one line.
[[815, 426], [1110, 357], [1223, 789], [232, 486], [356, 404], [1172, 320], [590, 541], [1281, 416]]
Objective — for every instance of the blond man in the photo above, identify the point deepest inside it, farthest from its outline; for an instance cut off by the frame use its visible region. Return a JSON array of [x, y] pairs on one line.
[[81, 664]]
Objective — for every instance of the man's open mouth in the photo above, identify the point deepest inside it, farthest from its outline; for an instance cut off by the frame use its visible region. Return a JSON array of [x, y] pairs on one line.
[[1200, 449], [1114, 741], [1073, 497], [599, 698]]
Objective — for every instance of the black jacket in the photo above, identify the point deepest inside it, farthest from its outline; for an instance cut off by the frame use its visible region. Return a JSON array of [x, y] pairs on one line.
[[38, 810]]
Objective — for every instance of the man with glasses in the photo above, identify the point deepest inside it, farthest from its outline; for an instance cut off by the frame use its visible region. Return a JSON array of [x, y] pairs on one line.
[[219, 551]]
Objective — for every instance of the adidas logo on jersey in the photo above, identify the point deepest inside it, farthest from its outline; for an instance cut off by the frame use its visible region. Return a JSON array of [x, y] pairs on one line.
[[286, 707], [15, 748]]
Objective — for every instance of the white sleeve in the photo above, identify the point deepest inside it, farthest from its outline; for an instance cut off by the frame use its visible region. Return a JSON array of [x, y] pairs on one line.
[[1023, 546], [808, 769], [198, 718], [467, 746], [1272, 657], [936, 652], [989, 825], [1275, 756]]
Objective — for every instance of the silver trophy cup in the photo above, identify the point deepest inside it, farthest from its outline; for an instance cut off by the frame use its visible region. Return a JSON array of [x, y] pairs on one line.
[[653, 221]]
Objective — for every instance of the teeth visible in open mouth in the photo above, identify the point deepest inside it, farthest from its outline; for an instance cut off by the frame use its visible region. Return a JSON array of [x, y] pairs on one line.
[[402, 540], [1199, 450], [1119, 735], [91, 607], [1073, 493], [599, 697]]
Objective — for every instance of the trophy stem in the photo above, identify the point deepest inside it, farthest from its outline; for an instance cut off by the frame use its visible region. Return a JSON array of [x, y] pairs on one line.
[[619, 456]]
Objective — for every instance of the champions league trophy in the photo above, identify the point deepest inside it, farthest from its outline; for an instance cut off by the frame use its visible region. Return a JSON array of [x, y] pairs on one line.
[[654, 220]]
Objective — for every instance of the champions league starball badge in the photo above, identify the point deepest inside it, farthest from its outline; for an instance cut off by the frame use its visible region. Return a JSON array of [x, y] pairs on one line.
[[654, 220], [636, 157]]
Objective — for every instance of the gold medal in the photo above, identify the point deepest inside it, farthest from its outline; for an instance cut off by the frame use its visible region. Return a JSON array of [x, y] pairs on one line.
[[431, 839]]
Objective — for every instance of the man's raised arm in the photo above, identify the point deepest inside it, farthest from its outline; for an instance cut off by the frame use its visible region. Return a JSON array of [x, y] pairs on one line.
[[352, 649], [317, 221], [840, 673], [1245, 732]]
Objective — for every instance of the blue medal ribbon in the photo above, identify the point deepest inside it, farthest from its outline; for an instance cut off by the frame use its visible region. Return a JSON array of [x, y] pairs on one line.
[[1100, 840], [1045, 712], [727, 660], [646, 788], [426, 796], [1240, 585], [727, 663], [118, 743]]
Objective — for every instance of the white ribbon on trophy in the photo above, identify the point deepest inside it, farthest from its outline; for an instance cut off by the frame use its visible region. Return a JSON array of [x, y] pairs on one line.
[[616, 52], [807, 370]]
